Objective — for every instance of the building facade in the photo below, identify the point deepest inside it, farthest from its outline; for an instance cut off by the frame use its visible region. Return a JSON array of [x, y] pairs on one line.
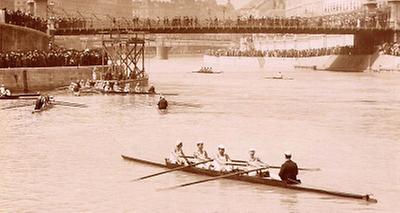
[[326, 7], [173, 8]]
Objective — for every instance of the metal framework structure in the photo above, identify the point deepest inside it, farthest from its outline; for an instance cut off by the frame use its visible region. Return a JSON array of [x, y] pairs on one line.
[[125, 53]]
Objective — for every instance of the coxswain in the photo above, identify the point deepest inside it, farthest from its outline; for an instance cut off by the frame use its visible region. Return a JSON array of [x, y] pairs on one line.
[[4, 91], [289, 170], [152, 90], [201, 155], [221, 160], [162, 103], [254, 162], [177, 156]]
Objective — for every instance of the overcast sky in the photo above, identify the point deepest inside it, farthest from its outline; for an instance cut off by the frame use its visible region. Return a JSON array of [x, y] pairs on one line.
[[237, 3]]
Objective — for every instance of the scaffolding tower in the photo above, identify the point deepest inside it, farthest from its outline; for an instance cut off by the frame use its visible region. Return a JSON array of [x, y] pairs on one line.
[[124, 56]]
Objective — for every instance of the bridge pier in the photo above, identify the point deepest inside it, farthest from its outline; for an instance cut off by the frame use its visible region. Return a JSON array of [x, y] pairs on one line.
[[162, 52], [394, 21], [368, 40]]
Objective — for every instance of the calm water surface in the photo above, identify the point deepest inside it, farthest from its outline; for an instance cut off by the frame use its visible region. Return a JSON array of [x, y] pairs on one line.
[[68, 159]]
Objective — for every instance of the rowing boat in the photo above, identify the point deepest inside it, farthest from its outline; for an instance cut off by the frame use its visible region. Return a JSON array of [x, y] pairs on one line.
[[207, 72], [136, 93], [20, 96], [257, 180], [45, 107], [278, 78]]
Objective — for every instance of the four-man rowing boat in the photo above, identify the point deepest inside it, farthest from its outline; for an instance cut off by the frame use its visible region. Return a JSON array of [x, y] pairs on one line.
[[257, 180]]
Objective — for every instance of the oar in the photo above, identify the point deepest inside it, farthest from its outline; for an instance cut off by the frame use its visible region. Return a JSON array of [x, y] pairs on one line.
[[272, 167], [244, 163], [214, 178], [171, 170], [62, 103], [18, 106]]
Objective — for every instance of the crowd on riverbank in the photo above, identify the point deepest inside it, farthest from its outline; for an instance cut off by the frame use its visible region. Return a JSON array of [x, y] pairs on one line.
[[289, 53], [51, 58], [24, 19], [390, 49]]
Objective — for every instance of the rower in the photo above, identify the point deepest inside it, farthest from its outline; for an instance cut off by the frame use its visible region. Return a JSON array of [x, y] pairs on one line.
[[254, 163], [289, 170], [279, 76], [116, 87], [138, 88], [221, 160], [40, 102], [201, 155], [4, 91], [127, 87], [107, 87], [177, 156], [152, 90], [162, 103]]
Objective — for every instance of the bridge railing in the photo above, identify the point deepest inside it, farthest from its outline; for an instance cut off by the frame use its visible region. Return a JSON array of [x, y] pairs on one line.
[[295, 24]]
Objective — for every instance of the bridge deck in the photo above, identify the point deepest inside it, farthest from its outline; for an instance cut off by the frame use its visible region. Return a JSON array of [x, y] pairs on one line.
[[221, 30]]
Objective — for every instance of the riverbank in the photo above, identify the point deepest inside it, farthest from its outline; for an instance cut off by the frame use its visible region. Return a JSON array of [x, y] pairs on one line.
[[340, 63]]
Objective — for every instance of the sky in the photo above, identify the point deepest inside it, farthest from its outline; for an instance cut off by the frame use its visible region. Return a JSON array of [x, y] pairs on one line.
[[236, 3]]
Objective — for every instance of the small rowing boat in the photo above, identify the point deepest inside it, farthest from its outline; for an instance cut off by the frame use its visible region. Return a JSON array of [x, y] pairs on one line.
[[207, 72], [255, 179], [136, 93], [278, 78], [45, 107], [20, 96]]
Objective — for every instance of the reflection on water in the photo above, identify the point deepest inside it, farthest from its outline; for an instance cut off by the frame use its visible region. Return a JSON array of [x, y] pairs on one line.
[[68, 159]]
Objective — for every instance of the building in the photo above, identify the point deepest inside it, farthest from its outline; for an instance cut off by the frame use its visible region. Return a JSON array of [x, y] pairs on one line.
[[304, 8], [173, 8], [326, 7], [9, 4], [260, 8]]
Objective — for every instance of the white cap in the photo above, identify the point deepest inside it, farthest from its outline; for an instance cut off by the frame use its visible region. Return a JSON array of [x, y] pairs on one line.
[[252, 150], [199, 142], [288, 154], [221, 146]]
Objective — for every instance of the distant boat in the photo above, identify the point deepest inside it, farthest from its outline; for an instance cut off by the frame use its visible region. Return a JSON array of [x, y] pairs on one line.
[[207, 70]]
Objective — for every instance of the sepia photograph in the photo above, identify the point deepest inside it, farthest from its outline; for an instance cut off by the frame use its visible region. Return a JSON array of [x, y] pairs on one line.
[[200, 106]]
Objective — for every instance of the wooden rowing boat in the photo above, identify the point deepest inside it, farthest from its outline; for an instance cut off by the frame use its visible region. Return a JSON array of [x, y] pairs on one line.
[[45, 107], [257, 180], [20, 96], [136, 93]]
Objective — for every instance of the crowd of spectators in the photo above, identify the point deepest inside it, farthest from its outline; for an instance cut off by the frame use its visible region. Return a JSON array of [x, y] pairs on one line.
[[50, 58], [25, 19], [289, 53], [356, 19], [390, 49]]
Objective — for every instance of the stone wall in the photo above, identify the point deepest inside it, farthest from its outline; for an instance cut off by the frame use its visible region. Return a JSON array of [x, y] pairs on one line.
[[40, 79], [13, 38]]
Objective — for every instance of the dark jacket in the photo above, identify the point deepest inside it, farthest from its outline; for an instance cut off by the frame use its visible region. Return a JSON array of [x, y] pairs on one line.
[[289, 171]]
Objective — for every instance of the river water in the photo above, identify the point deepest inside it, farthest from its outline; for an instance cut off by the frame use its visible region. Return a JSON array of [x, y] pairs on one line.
[[68, 159]]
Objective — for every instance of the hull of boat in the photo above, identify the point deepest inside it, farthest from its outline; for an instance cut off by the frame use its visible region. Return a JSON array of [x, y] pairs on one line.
[[49, 106], [255, 179]]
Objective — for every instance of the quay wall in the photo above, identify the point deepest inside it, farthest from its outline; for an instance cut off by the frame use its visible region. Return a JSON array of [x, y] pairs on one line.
[[386, 63], [43, 78], [13, 38], [343, 63]]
